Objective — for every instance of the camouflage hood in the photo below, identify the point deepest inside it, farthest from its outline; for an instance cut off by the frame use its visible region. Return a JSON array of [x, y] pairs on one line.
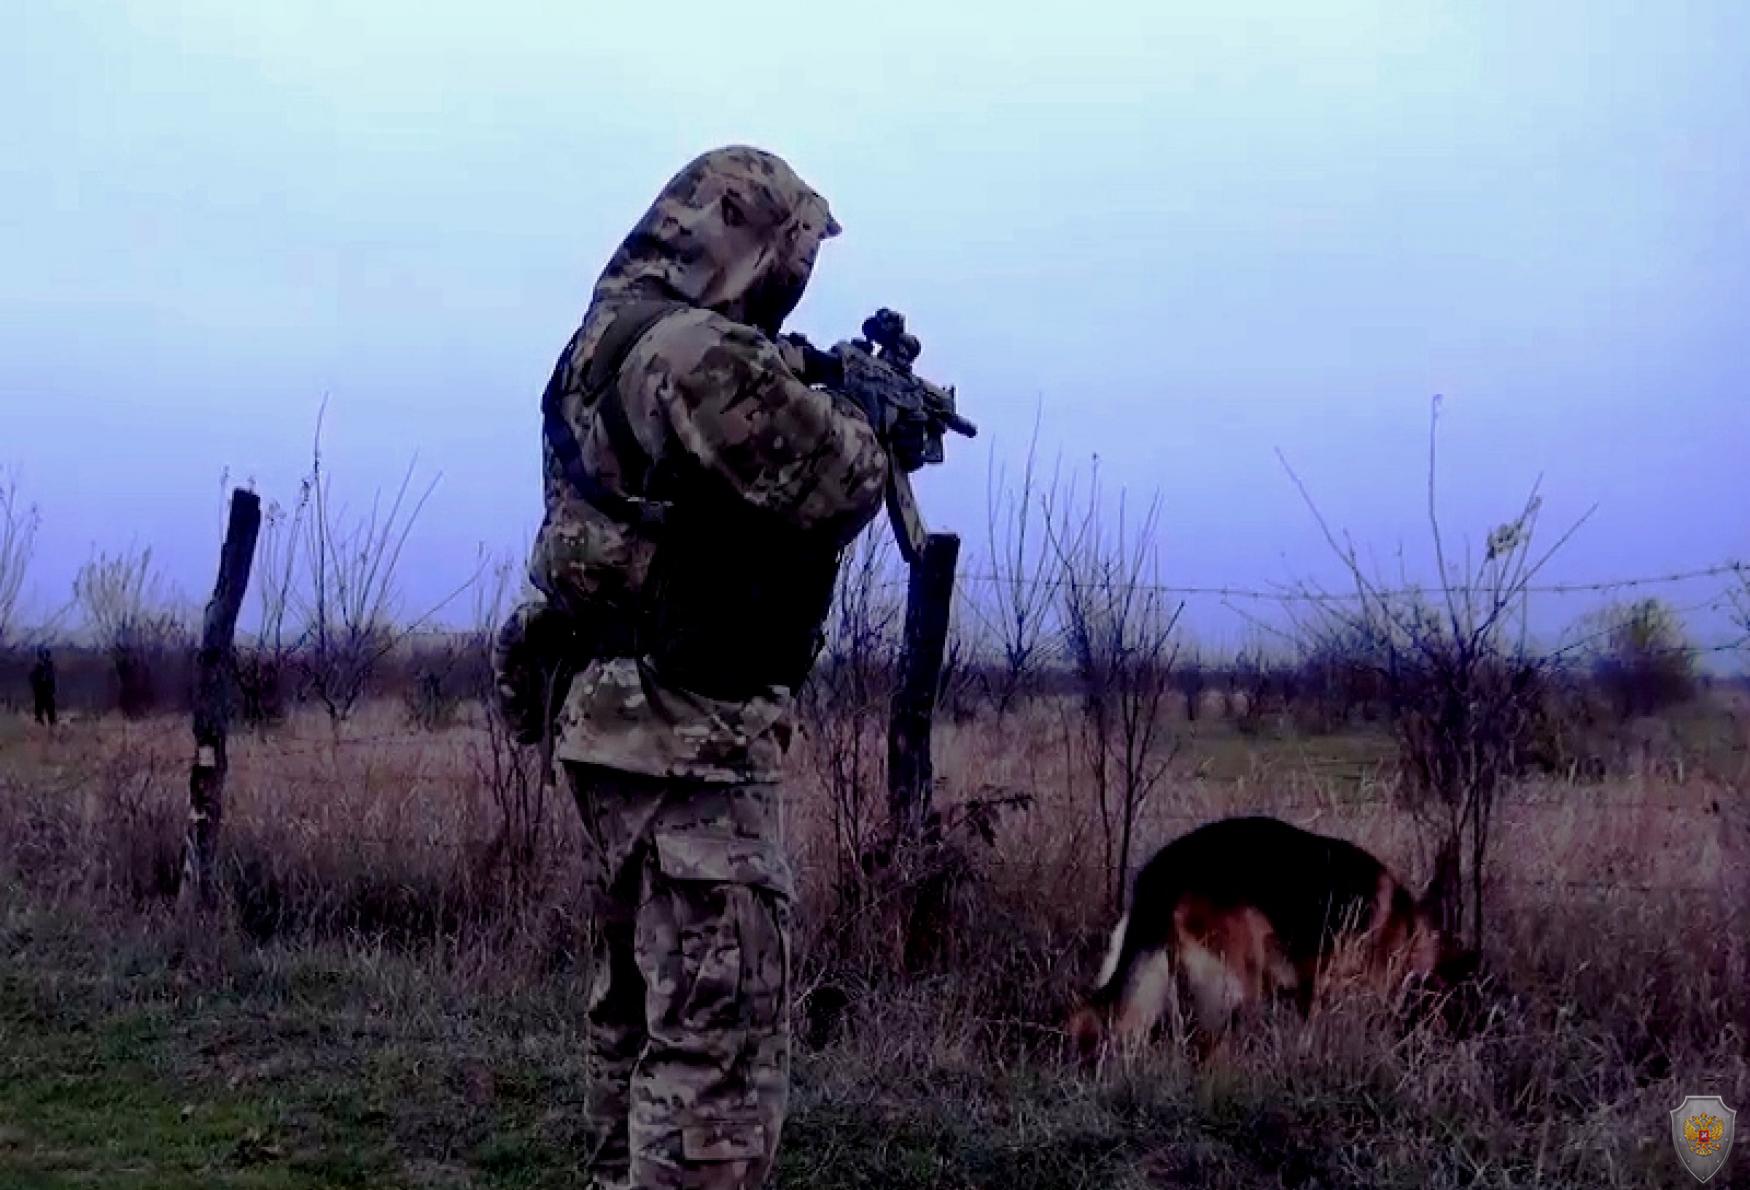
[[736, 232]]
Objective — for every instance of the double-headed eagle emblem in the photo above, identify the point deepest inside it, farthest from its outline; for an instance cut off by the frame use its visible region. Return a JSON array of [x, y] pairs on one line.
[[1701, 1129], [1704, 1134]]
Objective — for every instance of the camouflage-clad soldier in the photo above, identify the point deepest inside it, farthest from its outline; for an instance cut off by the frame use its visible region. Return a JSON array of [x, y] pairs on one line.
[[42, 687], [699, 493]]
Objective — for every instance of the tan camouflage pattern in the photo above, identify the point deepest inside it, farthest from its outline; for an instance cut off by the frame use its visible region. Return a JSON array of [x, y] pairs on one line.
[[689, 1038], [689, 1042], [683, 247], [804, 454], [705, 390], [619, 715]]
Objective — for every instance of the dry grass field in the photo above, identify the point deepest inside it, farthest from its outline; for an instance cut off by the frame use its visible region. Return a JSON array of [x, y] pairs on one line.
[[392, 996]]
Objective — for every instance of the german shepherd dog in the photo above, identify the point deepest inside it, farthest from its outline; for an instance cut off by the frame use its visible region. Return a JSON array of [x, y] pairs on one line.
[[1246, 910]]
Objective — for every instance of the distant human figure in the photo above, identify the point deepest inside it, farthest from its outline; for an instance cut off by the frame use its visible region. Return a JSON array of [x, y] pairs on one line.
[[42, 687]]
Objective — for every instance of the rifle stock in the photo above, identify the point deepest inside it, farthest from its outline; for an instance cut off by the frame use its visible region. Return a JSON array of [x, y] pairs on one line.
[[909, 530]]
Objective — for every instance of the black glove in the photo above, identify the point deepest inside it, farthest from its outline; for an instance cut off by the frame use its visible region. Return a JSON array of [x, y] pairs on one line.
[[818, 367], [907, 441], [533, 659]]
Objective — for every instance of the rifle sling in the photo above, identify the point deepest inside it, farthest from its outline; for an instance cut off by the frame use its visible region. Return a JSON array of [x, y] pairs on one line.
[[630, 323], [731, 605]]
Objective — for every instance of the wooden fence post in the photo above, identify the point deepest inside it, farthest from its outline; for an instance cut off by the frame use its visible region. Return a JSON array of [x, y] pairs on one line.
[[214, 696], [929, 599]]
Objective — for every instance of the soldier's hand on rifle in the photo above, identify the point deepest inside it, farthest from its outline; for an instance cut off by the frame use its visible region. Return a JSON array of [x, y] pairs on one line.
[[810, 364], [790, 351], [907, 438]]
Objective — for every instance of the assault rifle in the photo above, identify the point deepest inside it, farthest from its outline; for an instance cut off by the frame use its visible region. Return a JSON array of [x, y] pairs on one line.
[[909, 412]]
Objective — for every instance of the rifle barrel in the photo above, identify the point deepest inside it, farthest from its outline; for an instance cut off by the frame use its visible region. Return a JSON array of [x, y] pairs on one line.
[[959, 425]]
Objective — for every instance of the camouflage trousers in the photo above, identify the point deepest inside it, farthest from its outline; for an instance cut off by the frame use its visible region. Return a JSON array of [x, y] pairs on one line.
[[689, 1044]]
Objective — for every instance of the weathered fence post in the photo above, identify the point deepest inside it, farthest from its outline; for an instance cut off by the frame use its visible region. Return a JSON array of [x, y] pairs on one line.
[[929, 599], [214, 695]]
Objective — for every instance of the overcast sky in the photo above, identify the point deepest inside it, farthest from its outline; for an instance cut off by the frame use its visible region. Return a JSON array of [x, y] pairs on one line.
[[1188, 235]]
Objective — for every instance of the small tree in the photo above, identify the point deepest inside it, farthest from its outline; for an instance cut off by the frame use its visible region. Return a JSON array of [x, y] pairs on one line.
[[517, 777], [18, 527], [1023, 579], [125, 606], [1642, 661], [844, 702], [264, 665], [351, 577], [1118, 629], [1462, 687]]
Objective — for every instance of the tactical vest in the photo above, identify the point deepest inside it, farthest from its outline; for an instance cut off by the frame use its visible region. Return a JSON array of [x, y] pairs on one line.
[[734, 598]]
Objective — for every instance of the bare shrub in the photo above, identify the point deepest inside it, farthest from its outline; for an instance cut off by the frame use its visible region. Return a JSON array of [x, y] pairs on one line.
[[845, 701], [431, 704], [436, 676], [265, 664], [141, 827], [18, 528], [517, 778], [262, 700], [1250, 690], [1335, 681], [1641, 659], [914, 903], [896, 892], [124, 601], [1463, 687], [1231, 697], [518, 786], [1118, 631], [1191, 679], [1022, 579], [1287, 682], [1574, 733], [1738, 604], [957, 693], [350, 587]]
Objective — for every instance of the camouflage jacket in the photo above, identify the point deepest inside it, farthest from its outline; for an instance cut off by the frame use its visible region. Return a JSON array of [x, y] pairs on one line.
[[700, 416]]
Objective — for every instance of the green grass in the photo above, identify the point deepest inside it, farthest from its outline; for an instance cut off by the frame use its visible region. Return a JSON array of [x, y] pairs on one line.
[[358, 1047], [131, 1061], [1341, 761], [123, 1067], [138, 1056]]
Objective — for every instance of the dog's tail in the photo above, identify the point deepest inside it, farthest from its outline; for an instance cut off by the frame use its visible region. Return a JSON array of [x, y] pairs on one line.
[[1120, 953], [1091, 1021]]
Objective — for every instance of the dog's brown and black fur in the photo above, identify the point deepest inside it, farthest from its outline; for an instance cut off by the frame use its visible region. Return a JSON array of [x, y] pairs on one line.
[[1245, 910]]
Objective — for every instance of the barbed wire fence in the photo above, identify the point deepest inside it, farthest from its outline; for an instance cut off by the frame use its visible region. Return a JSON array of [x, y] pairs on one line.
[[1730, 602], [1291, 595], [1732, 578]]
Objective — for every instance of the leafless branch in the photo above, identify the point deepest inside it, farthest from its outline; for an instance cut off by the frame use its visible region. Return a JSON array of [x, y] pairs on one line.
[[351, 584], [18, 528]]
